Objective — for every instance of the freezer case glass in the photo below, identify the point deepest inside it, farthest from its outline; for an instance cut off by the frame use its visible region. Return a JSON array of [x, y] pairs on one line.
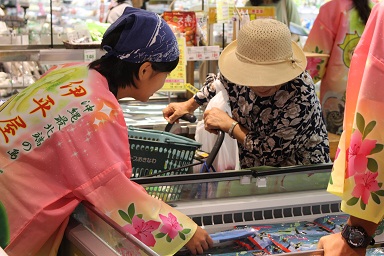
[[289, 199], [257, 181]]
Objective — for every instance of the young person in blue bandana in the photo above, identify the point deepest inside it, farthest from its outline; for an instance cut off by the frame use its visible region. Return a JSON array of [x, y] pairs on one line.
[[64, 140]]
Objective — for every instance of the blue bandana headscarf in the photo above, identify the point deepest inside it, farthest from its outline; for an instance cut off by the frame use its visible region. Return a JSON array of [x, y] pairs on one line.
[[145, 37]]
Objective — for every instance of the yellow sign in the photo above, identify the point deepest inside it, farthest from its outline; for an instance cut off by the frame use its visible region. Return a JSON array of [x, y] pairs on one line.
[[191, 88], [223, 13], [178, 77], [254, 12]]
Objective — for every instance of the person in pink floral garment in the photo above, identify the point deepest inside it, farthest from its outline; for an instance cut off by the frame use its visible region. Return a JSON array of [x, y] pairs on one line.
[[64, 140], [358, 172], [336, 32]]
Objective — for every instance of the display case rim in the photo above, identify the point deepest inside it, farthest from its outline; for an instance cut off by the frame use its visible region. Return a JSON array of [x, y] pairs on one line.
[[261, 171]]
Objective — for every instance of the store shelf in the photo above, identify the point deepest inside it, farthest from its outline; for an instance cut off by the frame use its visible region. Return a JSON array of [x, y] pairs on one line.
[[8, 56], [47, 56]]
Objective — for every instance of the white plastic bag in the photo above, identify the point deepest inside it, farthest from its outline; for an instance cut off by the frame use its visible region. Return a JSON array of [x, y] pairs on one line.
[[228, 156]]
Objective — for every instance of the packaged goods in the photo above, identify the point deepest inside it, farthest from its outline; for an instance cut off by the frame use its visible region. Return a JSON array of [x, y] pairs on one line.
[[183, 23]]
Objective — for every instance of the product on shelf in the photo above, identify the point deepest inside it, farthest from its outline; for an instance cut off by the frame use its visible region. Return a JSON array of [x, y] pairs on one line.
[[279, 238], [184, 23]]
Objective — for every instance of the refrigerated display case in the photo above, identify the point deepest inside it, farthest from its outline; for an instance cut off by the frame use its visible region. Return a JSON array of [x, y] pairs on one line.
[[219, 201]]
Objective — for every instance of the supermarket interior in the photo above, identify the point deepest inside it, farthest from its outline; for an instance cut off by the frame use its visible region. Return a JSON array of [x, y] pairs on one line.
[[279, 209]]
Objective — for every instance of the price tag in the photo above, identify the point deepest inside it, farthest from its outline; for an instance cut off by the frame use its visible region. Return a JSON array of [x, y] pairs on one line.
[[190, 53], [89, 55], [261, 182], [199, 55], [212, 52], [245, 180], [215, 55], [195, 53]]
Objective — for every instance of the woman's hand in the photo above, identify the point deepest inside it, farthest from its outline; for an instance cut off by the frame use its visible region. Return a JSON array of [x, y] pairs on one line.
[[216, 119], [335, 245], [176, 110], [200, 242]]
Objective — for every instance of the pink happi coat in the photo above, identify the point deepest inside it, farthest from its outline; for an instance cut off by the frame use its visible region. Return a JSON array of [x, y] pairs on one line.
[[336, 32], [64, 140], [358, 172]]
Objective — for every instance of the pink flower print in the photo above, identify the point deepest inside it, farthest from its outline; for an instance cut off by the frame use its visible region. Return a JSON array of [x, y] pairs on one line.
[[337, 153], [143, 230], [365, 184], [312, 66], [357, 153], [170, 225]]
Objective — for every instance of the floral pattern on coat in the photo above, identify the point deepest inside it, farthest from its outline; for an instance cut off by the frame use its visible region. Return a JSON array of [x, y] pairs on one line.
[[169, 227], [285, 129], [362, 164]]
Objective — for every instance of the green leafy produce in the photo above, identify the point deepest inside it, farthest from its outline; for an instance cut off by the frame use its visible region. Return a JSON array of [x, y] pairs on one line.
[[97, 30]]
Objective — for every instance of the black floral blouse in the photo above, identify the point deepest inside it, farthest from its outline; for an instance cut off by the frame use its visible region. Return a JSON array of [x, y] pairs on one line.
[[286, 128]]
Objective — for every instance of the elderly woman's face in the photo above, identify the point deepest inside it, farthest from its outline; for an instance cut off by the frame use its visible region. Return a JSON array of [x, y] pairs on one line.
[[265, 91]]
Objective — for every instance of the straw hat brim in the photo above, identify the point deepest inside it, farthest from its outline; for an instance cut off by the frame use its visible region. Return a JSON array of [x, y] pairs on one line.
[[250, 74]]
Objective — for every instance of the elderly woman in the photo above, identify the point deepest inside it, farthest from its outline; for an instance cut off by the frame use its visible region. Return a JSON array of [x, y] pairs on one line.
[[276, 115]]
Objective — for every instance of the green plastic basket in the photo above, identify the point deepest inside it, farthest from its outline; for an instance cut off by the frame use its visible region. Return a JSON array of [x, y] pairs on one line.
[[153, 152]]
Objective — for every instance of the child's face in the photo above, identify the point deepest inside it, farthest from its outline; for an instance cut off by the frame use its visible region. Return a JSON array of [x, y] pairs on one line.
[[152, 85]]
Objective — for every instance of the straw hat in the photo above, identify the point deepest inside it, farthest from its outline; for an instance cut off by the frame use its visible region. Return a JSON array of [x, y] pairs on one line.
[[262, 55]]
